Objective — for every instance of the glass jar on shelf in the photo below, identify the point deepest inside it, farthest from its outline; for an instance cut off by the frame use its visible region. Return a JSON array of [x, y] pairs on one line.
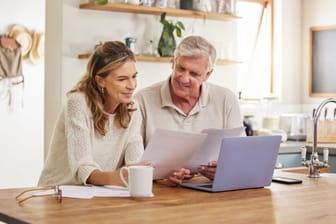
[[149, 49]]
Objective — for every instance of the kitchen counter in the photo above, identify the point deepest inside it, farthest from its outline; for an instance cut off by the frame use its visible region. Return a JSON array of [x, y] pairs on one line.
[[295, 147], [310, 202], [290, 154], [321, 146], [291, 147]]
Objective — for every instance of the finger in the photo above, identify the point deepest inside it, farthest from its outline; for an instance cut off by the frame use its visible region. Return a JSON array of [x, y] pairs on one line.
[[174, 180], [189, 176], [167, 182], [146, 163], [212, 163], [182, 172], [208, 175], [143, 163], [186, 171], [210, 169], [207, 172]]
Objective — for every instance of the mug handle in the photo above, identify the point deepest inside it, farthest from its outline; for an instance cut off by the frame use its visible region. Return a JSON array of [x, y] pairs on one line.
[[122, 175]]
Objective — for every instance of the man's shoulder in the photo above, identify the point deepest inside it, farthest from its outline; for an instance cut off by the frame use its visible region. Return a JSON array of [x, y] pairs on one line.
[[217, 89], [150, 90]]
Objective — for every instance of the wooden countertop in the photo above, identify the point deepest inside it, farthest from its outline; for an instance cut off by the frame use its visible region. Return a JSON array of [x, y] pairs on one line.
[[310, 202]]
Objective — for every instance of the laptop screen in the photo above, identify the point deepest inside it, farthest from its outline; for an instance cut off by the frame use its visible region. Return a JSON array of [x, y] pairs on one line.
[[244, 162]]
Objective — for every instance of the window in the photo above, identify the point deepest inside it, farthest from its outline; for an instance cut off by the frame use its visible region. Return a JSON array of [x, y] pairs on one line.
[[254, 33]]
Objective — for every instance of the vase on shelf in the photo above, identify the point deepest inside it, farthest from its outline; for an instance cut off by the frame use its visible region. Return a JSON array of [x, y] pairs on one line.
[[167, 42]]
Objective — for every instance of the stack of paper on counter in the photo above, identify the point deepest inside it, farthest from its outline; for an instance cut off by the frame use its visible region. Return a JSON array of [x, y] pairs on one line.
[[171, 150]]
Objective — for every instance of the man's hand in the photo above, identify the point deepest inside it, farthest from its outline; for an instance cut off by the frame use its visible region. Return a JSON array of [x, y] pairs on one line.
[[208, 170], [177, 177]]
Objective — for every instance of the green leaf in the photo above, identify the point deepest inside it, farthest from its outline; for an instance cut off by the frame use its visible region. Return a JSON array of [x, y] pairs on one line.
[[170, 26], [178, 32], [180, 25], [163, 18]]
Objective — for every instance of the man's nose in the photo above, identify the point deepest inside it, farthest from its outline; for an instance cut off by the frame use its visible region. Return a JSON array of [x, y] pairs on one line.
[[185, 77]]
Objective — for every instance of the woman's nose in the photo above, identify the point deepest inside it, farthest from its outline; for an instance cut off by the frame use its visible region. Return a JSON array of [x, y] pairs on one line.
[[131, 84]]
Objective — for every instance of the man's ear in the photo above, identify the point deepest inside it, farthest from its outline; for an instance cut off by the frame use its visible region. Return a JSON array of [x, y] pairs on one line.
[[208, 74], [173, 64]]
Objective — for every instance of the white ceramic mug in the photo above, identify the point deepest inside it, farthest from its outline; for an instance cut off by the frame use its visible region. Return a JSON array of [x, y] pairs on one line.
[[135, 2], [140, 180]]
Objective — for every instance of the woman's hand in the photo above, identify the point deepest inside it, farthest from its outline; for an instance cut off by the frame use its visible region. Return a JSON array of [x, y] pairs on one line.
[[208, 170], [142, 163]]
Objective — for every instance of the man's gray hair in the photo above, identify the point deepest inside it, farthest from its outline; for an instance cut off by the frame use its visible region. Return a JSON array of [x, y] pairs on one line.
[[197, 46]]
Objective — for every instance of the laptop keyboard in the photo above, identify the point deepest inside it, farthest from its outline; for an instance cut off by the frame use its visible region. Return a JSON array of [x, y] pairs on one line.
[[205, 185]]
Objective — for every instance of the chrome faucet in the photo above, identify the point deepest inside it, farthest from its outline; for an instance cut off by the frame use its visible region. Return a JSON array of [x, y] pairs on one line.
[[314, 164]]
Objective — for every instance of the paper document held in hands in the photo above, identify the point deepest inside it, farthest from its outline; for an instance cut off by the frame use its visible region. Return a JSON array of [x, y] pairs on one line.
[[170, 150]]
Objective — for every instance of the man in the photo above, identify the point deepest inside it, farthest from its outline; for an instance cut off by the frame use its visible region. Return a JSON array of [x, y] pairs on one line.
[[185, 101]]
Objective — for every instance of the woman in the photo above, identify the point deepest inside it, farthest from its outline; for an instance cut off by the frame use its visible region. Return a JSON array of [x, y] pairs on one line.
[[98, 130]]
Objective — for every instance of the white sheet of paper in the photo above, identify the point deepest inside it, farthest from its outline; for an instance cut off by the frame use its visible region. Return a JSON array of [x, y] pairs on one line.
[[110, 191], [84, 192], [169, 150], [87, 192], [209, 150]]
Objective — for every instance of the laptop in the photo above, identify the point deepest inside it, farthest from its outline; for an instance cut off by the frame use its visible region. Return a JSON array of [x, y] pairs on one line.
[[243, 163]]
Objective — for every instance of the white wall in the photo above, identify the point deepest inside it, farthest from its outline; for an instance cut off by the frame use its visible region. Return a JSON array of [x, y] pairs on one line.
[[70, 31], [288, 50], [82, 29], [315, 13], [98, 26], [21, 128], [73, 31]]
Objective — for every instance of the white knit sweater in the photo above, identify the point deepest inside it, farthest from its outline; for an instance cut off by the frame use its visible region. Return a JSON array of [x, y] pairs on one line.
[[76, 150]]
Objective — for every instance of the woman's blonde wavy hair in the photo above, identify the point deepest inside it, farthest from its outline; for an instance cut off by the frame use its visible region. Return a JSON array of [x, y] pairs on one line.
[[106, 58]]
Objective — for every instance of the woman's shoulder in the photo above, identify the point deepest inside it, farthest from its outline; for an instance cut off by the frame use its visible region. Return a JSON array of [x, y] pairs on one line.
[[76, 96], [77, 101]]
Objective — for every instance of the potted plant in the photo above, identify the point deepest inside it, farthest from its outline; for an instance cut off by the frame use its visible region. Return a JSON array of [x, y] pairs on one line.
[[101, 2], [167, 42]]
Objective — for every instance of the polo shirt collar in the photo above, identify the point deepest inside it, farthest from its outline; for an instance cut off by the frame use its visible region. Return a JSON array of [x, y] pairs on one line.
[[168, 102]]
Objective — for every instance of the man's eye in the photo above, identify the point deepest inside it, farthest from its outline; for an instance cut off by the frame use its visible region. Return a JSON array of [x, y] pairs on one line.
[[180, 69]]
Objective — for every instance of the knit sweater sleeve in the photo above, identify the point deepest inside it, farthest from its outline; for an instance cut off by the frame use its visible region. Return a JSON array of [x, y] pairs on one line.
[[79, 131], [134, 147]]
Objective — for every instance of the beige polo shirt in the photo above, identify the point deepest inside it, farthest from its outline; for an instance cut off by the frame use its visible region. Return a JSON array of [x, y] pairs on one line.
[[217, 108]]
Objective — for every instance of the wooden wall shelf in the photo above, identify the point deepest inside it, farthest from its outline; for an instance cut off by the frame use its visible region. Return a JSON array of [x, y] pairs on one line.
[[145, 58], [138, 9], [120, 7]]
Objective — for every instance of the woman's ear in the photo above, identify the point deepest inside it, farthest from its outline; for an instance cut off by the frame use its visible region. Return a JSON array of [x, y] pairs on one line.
[[100, 81]]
